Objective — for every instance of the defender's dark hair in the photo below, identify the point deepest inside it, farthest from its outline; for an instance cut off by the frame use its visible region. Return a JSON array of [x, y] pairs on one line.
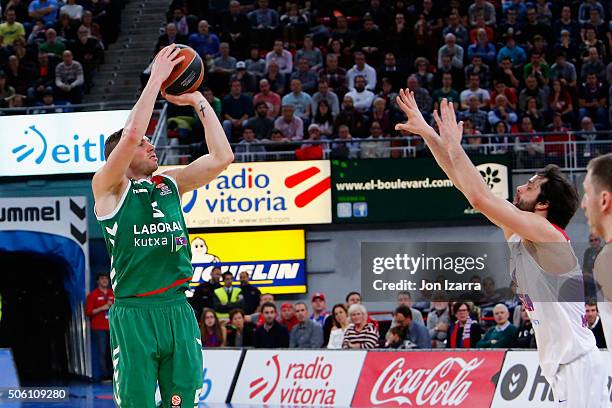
[[111, 142], [560, 195], [601, 172]]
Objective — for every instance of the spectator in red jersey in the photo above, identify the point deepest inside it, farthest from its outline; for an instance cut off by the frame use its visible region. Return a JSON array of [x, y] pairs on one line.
[[556, 152], [98, 302], [288, 318]]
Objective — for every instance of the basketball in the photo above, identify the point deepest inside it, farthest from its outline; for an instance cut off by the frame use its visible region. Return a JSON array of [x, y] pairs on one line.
[[187, 76]]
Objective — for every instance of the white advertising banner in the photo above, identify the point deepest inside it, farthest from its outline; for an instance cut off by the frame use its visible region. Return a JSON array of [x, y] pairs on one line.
[[298, 377], [263, 193], [56, 143], [521, 383], [219, 368], [64, 216]]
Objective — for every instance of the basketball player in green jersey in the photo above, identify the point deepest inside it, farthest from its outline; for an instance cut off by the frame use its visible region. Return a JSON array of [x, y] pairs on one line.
[[154, 334]]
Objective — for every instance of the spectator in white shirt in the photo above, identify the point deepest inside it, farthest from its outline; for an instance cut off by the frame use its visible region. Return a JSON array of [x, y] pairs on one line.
[[74, 11], [340, 322], [363, 69], [475, 89], [362, 98], [281, 56]]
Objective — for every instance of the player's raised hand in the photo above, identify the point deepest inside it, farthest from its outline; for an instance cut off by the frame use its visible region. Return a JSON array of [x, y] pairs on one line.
[[191, 99], [165, 60], [450, 131], [416, 124]]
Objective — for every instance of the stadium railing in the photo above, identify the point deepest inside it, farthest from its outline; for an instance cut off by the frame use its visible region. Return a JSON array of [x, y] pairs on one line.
[[569, 150]]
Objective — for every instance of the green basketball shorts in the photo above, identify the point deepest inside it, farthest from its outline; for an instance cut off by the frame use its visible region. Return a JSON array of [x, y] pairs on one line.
[[155, 341]]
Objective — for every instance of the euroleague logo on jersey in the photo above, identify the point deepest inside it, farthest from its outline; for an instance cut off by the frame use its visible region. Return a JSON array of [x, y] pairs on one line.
[[176, 401], [261, 191], [297, 383]]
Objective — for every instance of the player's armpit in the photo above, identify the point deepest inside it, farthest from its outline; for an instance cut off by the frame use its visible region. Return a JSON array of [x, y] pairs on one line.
[[198, 173], [528, 225]]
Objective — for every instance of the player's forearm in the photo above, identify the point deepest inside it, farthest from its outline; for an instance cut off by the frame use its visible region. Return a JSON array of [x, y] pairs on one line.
[[466, 176], [216, 140], [139, 118], [441, 156]]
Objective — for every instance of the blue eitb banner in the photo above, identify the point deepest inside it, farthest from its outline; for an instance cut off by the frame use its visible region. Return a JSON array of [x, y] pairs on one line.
[[56, 143]]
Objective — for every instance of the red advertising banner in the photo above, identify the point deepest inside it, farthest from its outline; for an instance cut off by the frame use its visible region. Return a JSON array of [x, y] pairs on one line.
[[440, 379]]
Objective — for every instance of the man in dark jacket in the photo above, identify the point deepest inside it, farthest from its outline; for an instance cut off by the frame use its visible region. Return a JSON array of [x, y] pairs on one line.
[[271, 334], [203, 295], [250, 294]]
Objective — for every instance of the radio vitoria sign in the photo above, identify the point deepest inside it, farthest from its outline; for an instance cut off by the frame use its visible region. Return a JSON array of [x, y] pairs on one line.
[[58, 143], [262, 193]]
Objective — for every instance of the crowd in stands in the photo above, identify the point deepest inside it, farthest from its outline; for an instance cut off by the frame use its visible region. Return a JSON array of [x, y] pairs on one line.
[[50, 49], [299, 71], [241, 316]]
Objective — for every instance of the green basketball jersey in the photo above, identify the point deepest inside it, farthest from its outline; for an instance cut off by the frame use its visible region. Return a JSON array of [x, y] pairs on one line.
[[146, 238]]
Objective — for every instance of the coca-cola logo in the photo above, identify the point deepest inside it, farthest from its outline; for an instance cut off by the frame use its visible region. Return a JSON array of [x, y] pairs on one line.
[[445, 384]]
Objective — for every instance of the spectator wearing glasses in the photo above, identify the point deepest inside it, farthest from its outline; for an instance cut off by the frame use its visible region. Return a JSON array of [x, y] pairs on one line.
[[463, 332]]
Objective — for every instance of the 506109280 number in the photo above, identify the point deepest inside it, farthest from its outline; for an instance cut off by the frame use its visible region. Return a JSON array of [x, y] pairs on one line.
[[55, 394]]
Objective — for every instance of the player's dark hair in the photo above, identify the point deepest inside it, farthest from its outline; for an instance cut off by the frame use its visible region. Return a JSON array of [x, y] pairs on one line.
[[111, 142], [224, 274], [404, 310], [268, 304], [560, 195], [601, 172]]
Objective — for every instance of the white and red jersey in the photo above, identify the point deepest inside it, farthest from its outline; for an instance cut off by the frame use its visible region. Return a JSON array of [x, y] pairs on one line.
[[602, 265], [560, 327]]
